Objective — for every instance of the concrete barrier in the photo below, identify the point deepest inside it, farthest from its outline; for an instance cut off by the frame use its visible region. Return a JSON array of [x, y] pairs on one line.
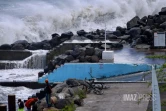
[[92, 70], [14, 54], [32, 85]]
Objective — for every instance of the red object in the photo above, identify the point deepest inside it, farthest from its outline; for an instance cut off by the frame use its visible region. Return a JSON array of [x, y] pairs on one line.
[[30, 102]]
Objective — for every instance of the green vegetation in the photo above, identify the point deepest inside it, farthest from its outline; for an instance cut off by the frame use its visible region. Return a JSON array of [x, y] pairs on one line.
[[81, 94], [70, 107], [161, 76]]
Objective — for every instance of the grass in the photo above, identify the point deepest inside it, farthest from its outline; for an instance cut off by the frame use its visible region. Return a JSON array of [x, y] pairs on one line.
[[70, 107], [81, 94]]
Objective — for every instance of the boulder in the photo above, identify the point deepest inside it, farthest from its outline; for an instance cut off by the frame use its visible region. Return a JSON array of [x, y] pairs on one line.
[[88, 58], [144, 19], [134, 31], [54, 42], [5, 47], [22, 42], [89, 51], [121, 29], [111, 36], [55, 35], [133, 22], [94, 59], [150, 22], [117, 33], [36, 45], [98, 52], [78, 101], [59, 87], [81, 32], [67, 35], [69, 58], [18, 47], [141, 23], [68, 52], [82, 59], [60, 104], [117, 45], [163, 11], [47, 46], [163, 25], [72, 82], [148, 33], [75, 53], [89, 36]]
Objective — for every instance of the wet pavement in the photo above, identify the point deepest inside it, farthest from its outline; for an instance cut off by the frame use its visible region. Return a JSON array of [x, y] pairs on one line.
[[115, 99]]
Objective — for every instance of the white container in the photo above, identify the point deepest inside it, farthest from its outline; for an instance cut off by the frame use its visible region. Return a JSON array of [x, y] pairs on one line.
[[108, 55]]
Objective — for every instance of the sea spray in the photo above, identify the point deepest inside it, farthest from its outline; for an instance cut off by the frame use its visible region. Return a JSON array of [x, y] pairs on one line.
[[36, 20]]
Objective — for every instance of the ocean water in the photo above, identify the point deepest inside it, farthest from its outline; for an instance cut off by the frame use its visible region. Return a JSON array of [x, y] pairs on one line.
[[36, 20]]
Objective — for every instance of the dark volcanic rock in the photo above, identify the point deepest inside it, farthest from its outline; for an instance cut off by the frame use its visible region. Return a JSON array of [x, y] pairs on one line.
[[111, 36], [150, 22], [163, 11], [82, 59], [90, 51], [88, 58], [54, 42], [22, 42], [122, 30], [133, 22], [98, 52], [81, 32], [163, 25], [55, 35], [67, 35], [75, 53], [89, 36], [94, 59], [68, 52], [117, 33], [144, 19], [18, 47], [5, 47], [60, 104], [117, 45], [70, 58], [36, 46], [47, 46], [134, 31]]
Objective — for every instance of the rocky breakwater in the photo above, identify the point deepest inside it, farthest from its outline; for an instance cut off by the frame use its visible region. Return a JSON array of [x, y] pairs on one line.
[[65, 96], [138, 31]]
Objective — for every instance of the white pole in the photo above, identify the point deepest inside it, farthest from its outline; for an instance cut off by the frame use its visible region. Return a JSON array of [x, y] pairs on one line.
[[105, 35]]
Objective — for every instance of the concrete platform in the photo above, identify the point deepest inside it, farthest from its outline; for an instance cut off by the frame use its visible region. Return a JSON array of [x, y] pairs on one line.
[[113, 98]]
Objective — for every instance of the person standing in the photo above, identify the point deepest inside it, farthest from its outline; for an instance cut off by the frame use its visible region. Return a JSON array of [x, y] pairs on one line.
[[20, 105], [48, 92]]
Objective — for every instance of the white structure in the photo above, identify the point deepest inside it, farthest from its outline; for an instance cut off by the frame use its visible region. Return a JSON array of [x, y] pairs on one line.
[[107, 55], [159, 39]]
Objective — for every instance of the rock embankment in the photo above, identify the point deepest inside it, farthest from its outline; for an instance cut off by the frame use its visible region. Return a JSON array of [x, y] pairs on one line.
[[138, 31], [65, 96]]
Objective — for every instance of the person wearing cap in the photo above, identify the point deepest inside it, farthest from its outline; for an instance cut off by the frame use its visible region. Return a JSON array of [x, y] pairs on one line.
[[20, 105], [48, 92]]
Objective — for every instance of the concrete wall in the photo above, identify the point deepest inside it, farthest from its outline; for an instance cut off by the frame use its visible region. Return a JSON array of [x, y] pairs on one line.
[[14, 55], [89, 70]]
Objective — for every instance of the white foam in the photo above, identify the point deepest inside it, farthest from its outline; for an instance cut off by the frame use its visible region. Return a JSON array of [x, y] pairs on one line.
[[36, 20], [19, 74]]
